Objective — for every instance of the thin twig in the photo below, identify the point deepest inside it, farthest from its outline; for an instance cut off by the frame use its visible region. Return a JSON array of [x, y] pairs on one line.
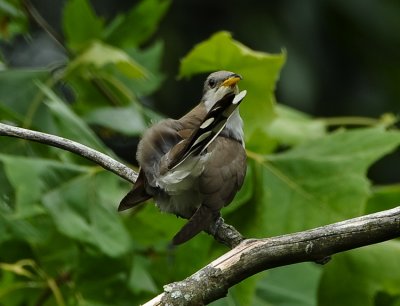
[[41, 22], [97, 157]]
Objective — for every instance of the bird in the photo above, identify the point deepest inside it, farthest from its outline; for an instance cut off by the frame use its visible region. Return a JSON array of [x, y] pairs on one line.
[[194, 166]]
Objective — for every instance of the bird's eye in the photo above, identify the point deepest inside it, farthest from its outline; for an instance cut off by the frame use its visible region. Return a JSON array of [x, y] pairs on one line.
[[212, 83]]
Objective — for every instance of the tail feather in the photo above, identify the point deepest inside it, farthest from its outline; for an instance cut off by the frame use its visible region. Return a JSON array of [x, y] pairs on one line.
[[137, 195], [200, 220]]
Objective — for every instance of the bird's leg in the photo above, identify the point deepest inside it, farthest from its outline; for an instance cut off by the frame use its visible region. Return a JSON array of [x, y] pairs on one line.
[[225, 233]]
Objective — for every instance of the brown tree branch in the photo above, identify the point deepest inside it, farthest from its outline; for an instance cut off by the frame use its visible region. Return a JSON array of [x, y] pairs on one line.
[[255, 255], [97, 157]]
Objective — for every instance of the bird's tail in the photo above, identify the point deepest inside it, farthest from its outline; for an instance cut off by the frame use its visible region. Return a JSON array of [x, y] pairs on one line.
[[137, 195], [200, 220]]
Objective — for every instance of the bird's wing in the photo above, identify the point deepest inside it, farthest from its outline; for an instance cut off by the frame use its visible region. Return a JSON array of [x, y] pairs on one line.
[[207, 131], [156, 142], [218, 185]]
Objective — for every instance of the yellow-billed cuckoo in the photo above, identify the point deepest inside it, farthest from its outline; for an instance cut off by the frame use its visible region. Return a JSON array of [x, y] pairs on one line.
[[194, 166]]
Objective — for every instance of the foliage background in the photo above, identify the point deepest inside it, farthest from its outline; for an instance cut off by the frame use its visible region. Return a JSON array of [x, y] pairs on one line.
[[112, 71]]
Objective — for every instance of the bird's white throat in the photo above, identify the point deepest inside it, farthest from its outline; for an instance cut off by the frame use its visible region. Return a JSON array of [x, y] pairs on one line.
[[234, 126]]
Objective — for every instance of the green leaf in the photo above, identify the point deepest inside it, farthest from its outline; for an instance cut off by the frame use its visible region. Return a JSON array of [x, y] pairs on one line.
[[362, 277], [13, 18], [126, 120], [150, 225], [15, 227], [383, 198], [69, 124], [139, 24], [102, 280], [78, 203], [152, 229], [17, 104], [99, 55], [30, 177], [259, 70], [14, 291], [151, 59], [57, 252], [385, 299], [108, 86], [295, 285], [319, 181], [80, 211], [244, 292], [10, 8], [23, 218], [80, 24], [140, 279], [291, 127]]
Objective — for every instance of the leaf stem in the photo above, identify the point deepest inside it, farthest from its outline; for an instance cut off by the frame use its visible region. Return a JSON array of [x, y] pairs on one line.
[[41, 22], [36, 102], [256, 156], [386, 119]]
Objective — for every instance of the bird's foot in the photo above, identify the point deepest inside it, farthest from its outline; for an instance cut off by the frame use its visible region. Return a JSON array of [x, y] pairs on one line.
[[216, 225]]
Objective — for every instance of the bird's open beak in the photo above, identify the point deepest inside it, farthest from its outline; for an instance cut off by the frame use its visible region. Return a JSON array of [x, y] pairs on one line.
[[232, 81]]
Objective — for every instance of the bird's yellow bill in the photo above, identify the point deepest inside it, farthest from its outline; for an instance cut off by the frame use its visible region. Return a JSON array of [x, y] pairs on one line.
[[231, 81]]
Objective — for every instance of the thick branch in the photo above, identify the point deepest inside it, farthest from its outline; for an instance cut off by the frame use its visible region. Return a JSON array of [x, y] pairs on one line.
[[255, 255], [225, 233], [97, 157]]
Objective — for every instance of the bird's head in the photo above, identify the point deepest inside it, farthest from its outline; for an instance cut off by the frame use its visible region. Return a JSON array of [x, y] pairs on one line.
[[217, 85]]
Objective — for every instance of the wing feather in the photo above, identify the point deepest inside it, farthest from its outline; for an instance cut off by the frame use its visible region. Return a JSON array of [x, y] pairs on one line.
[[208, 130]]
